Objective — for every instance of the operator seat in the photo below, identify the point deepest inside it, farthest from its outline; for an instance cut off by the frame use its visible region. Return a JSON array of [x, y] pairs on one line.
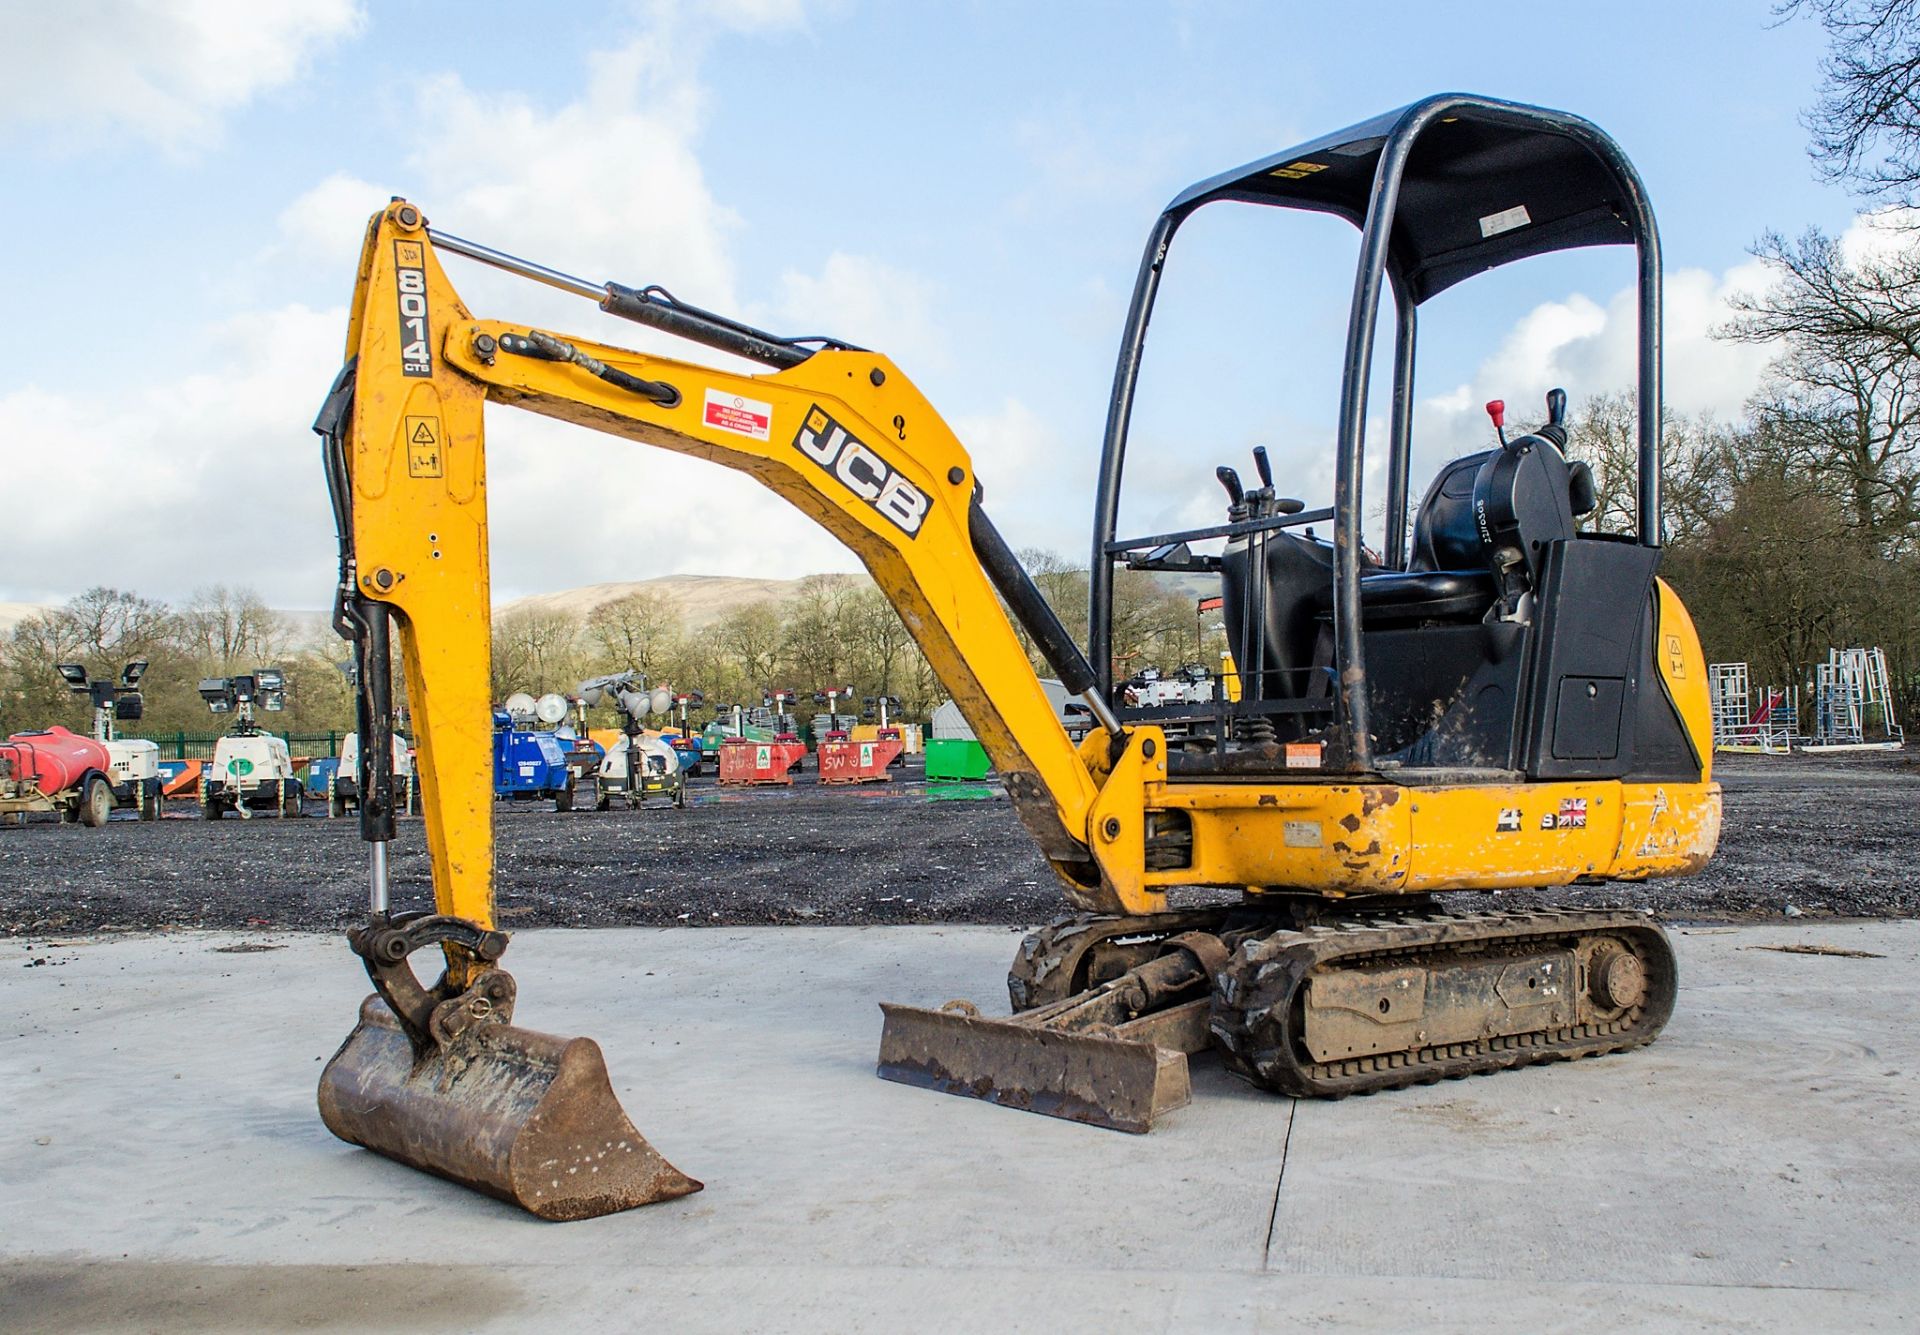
[[1447, 577], [1483, 531]]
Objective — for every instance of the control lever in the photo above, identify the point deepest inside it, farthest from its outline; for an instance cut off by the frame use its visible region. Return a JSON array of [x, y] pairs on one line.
[[1262, 466], [1497, 410], [1236, 494], [1556, 428]]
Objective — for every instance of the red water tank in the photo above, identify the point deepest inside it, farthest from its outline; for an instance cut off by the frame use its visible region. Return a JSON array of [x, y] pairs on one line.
[[55, 759]]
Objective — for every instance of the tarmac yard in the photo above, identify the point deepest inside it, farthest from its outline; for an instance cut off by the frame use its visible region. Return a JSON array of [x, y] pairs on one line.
[[1823, 836], [163, 1168], [173, 988]]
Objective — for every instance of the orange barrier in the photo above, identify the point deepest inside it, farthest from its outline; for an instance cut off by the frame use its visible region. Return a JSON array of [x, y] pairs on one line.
[[185, 782]]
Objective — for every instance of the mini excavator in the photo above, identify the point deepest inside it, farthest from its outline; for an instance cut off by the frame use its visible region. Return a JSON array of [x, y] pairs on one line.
[[1498, 699]]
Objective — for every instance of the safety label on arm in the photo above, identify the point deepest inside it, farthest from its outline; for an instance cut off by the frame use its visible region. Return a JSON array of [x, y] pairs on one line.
[[742, 416]]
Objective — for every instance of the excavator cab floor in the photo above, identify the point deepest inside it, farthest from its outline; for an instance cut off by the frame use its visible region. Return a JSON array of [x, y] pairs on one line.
[[527, 1117]]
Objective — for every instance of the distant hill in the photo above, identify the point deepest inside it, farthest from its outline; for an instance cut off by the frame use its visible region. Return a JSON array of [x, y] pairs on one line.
[[702, 599]]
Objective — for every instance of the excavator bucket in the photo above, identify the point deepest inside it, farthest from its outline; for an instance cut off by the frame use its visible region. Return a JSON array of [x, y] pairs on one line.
[[1122, 1083], [524, 1116]]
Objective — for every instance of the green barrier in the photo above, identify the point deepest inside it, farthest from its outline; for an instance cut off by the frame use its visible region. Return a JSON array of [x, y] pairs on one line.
[[953, 758]]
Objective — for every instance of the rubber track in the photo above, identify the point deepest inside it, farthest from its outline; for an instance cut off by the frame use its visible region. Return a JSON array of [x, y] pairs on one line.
[[1254, 999]]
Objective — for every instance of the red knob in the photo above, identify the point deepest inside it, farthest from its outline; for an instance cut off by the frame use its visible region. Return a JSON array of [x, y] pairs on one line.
[[1497, 410]]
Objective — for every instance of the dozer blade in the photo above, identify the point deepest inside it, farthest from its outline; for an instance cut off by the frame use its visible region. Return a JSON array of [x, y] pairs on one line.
[[524, 1116], [1112, 1078]]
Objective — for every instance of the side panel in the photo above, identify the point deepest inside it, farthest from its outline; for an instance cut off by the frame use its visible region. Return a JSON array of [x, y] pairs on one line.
[[1341, 838], [1387, 839], [1682, 666], [1668, 830]]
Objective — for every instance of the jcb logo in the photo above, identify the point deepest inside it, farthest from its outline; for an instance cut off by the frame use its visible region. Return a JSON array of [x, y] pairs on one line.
[[862, 472]]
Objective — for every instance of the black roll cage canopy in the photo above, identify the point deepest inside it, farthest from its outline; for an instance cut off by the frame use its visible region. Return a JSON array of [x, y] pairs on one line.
[[1443, 189]]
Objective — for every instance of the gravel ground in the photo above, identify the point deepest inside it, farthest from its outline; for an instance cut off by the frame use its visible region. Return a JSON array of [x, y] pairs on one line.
[[1825, 836]]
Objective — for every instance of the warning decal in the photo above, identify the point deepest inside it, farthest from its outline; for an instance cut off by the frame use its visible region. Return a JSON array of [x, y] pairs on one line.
[[423, 447], [742, 416], [1304, 755]]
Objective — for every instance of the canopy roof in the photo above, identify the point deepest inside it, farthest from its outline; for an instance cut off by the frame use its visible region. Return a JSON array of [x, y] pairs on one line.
[[1486, 183]]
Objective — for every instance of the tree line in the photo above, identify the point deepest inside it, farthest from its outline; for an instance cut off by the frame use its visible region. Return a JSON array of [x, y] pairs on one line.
[[833, 631], [222, 630]]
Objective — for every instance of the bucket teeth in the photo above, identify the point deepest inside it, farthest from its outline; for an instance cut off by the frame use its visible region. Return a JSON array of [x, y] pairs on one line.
[[527, 1117], [1120, 1083]]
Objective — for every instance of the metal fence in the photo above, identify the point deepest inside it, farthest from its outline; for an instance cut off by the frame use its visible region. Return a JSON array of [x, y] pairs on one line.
[[199, 745]]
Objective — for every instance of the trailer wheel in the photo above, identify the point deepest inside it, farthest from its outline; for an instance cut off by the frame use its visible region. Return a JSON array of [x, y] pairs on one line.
[[96, 803], [150, 799], [210, 809], [604, 803], [563, 800], [292, 797]]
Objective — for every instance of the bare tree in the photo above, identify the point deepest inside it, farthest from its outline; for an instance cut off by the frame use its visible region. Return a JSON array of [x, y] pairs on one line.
[[535, 650], [230, 627], [1694, 461], [640, 631], [1778, 578], [750, 636], [813, 643], [108, 625], [879, 641], [1066, 588], [1866, 121], [1843, 397]]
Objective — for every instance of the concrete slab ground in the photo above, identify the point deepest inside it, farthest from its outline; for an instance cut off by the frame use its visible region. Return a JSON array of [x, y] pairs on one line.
[[162, 1166]]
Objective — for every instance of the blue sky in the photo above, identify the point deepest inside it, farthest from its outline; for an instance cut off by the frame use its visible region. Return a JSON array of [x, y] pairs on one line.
[[965, 186]]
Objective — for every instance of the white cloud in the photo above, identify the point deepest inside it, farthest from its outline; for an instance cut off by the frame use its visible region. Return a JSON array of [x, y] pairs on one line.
[[323, 228], [163, 71], [1879, 235], [868, 302], [1583, 347], [1039, 490], [212, 479], [609, 186]]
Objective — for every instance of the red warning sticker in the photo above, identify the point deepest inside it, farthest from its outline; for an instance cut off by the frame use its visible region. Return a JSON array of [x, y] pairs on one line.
[[742, 416]]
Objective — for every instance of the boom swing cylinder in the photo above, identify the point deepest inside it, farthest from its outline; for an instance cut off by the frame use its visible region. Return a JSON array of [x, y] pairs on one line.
[[1331, 813]]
